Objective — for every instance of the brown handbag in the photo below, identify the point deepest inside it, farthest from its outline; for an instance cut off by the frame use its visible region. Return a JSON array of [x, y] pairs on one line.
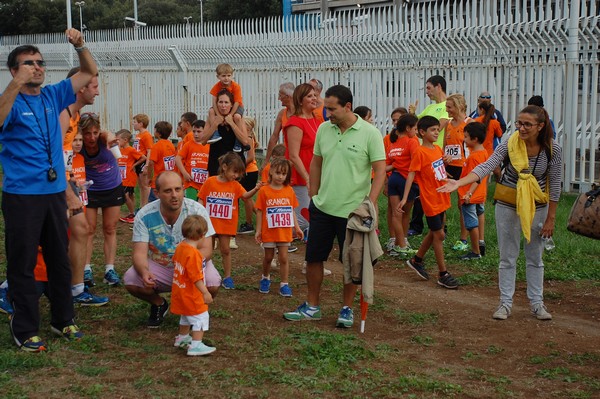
[[584, 218], [505, 194]]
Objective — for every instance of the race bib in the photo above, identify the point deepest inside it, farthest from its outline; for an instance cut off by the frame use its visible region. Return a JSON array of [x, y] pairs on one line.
[[280, 216], [199, 175], [169, 162], [454, 151], [68, 158], [219, 208], [136, 144], [439, 170], [123, 170], [83, 197]]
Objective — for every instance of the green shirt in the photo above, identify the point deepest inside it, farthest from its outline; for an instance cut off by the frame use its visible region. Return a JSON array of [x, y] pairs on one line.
[[438, 111], [346, 167]]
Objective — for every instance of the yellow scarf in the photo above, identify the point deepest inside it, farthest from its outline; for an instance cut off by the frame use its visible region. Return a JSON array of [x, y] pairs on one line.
[[528, 189]]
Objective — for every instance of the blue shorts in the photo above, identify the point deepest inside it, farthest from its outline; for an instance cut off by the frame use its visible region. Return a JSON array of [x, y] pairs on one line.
[[396, 184], [470, 214]]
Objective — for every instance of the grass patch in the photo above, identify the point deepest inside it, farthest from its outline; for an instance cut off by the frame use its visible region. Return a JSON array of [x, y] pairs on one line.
[[415, 318]]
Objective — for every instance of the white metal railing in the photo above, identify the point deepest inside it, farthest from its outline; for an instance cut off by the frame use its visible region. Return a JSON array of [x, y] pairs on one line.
[[512, 48]]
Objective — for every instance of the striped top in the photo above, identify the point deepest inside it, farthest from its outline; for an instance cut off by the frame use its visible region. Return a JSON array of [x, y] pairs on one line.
[[553, 169]]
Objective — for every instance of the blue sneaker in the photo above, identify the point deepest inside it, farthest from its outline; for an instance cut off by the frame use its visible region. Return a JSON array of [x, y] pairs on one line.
[[88, 278], [285, 291], [227, 283], [265, 286], [346, 318], [70, 332], [88, 299], [200, 350], [304, 312], [33, 344], [5, 306], [112, 278], [214, 138], [237, 147]]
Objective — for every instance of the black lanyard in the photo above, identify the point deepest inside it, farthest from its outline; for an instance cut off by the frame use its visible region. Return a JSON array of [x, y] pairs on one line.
[[45, 136]]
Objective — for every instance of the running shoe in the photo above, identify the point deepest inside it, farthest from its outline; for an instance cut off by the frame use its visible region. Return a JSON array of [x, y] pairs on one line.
[[447, 281], [214, 138], [86, 298], [246, 228], [232, 243], [540, 312], [404, 252], [345, 318], [460, 245], [200, 350], [471, 256], [5, 306], [292, 248], [502, 312], [390, 244], [264, 286], [418, 267], [285, 291], [157, 314], [88, 278], [33, 344], [304, 312], [227, 283], [112, 278], [182, 341], [127, 219], [70, 332]]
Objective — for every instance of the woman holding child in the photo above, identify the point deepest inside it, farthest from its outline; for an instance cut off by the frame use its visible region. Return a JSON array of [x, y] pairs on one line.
[[229, 130], [526, 200], [106, 193], [299, 138]]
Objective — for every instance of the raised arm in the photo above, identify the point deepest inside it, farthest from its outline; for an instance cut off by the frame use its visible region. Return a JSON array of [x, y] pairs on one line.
[[87, 64]]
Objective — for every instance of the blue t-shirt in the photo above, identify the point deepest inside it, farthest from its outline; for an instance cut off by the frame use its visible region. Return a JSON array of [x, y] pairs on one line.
[[24, 141], [102, 168]]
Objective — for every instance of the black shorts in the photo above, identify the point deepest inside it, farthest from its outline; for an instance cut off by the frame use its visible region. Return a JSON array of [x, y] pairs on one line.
[[128, 190], [436, 222], [454, 171], [396, 184], [106, 198], [322, 230], [249, 181], [139, 167]]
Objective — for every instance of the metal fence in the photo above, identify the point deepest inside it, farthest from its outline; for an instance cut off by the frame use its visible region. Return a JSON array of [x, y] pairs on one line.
[[512, 48]]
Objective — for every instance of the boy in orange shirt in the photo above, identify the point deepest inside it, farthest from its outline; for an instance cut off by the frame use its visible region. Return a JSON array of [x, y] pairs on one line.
[[473, 196], [143, 143], [192, 161], [129, 161], [162, 155], [189, 295], [275, 219], [427, 167]]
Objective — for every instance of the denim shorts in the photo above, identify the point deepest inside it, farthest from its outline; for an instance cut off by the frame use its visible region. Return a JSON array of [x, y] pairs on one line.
[[470, 214]]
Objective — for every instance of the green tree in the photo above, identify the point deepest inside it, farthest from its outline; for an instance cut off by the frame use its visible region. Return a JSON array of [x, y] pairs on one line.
[[221, 10]]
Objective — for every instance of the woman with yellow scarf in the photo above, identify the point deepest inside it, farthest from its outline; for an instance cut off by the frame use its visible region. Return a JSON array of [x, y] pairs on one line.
[[526, 198]]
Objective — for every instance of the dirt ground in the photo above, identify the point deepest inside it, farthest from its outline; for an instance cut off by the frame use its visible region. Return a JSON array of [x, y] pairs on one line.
[[457, 342]]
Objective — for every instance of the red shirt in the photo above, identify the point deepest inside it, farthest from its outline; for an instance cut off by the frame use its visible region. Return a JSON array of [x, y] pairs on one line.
[[309, 132]]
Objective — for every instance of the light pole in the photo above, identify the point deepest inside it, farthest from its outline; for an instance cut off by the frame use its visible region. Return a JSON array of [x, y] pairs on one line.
[[201, 18], [80, 4]]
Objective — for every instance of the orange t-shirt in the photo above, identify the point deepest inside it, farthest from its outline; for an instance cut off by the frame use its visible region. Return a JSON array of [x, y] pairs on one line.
[[234, 88], [319, 114], [143, 142], [188, 137], [480, 193], [277, 208], [264, 177], [129, 156], [220, 200], [252, 166], [163, 156], [399, 154], [79, 175], [186, 298], [195, 160], [493, 130], [455, 137], [430, 174]]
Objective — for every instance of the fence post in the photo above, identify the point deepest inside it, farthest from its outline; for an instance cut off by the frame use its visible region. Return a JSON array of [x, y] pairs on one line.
[[572, 96]]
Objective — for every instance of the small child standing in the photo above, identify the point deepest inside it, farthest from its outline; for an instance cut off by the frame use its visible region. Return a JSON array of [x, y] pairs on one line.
[[473, 197], [220, 195], [162, 155], [189, 295], [251, 177], [275, 219], [128, 163], [427, 167], [225, 76], [192, 161]]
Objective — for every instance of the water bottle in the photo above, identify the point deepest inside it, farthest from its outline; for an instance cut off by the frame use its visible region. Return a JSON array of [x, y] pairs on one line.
[[548, 241], [87, 184]]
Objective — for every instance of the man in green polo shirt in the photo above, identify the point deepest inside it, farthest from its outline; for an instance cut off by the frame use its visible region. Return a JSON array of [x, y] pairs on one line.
[[346, 148]]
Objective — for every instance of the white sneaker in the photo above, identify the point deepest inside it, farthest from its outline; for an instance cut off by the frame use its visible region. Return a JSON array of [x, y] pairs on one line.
[[232, 243], [502, 312], [200, 350], [274, 265], [326, 272], [540, 312], [182, 341], [390, 244]]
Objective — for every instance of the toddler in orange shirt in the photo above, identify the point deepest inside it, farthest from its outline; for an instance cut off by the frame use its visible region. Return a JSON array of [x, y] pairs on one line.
[[189, 295], [275, 220]]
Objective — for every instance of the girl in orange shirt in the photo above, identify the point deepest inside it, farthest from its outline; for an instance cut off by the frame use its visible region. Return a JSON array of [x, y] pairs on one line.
[[251, 177], [275, 219], [220, 195], [492, 126]]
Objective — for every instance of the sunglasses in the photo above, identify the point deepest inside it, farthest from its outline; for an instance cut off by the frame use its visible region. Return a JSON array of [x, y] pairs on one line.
[[88, 115], [40, 63], [486, 97]]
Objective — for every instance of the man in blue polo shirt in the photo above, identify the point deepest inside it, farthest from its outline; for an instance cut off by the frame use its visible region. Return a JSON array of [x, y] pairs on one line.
[[33, 195]]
